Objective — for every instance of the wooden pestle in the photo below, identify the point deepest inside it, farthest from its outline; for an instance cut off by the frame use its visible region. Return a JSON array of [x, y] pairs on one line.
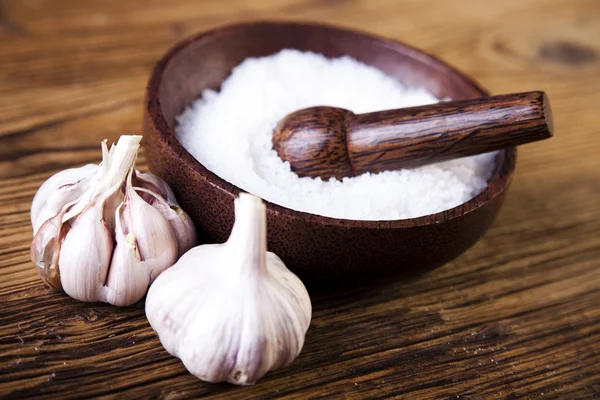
[[333, 142]]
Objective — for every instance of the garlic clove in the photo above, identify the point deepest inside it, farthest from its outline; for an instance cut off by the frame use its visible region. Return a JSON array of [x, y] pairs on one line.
[[128, 279], [85, 255], [146, 245], [180, 222], [60, 189], [156, 185], [45, 248], [155, 238], [182, 226], [231, 312]]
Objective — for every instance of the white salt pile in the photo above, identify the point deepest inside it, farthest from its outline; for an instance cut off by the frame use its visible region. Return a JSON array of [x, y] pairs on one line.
[[230, 133]]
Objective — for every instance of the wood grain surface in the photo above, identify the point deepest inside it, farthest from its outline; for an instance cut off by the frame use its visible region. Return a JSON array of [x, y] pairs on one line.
[[518, 316], [418, 136]]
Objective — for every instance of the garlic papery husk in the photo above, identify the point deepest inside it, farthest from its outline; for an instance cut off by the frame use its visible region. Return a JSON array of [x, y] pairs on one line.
[[105, 243], [233, 311], [60, 189], [66, 186], [45, 248]]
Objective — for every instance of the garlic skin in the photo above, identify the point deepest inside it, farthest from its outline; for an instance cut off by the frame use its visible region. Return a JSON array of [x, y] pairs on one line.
[[45, 248], [85, 256], [97, 238], [233, 311], [58, 190], [155, 184], [180, 222]]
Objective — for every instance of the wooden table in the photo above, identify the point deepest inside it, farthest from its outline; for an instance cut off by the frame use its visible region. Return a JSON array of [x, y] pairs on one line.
[[518, 316]]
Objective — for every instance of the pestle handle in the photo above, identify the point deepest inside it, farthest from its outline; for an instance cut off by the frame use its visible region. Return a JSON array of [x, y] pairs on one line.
[[411, 137]]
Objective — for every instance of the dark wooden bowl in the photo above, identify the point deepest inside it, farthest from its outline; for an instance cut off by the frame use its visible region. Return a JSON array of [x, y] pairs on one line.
[[315, 247]]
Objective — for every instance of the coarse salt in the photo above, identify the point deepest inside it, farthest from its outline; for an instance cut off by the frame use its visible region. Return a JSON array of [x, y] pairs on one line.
[[230, 133]]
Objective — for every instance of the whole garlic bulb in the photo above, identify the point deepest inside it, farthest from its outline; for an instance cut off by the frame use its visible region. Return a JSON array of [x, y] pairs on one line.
[[105, 232], [233, 311]]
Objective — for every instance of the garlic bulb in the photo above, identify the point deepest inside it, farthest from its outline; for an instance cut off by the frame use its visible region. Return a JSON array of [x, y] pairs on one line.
[[233, 311], [105, 232]]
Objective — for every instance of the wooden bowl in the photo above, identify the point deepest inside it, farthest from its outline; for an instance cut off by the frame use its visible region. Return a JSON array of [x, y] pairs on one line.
[[315, 247]]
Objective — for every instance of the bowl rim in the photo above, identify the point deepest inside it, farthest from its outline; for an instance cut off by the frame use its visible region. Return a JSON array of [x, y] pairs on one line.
[[499, 181]]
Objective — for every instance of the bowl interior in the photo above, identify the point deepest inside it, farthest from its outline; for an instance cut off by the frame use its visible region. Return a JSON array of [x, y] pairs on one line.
[[204, 61]]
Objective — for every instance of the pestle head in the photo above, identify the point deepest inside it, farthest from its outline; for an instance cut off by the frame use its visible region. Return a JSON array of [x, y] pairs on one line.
[[313, 141]]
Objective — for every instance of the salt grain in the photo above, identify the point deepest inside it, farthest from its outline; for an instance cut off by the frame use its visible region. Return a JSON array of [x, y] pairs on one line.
[[230, 133]]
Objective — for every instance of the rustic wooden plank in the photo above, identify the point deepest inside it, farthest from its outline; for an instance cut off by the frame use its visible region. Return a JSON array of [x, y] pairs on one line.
[[516, 316]]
